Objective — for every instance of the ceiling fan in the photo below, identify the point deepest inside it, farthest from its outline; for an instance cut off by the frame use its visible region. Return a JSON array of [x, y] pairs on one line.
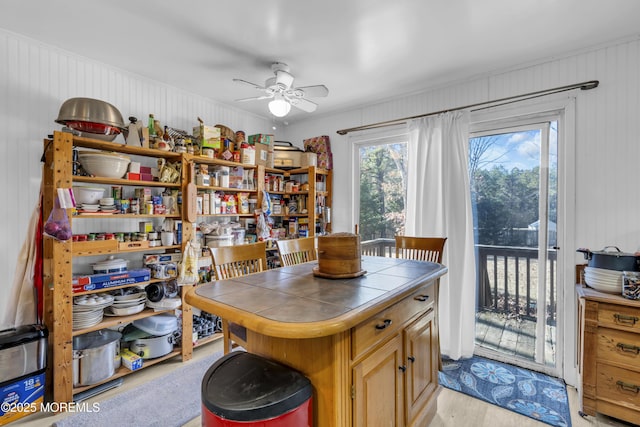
[[283, 94]]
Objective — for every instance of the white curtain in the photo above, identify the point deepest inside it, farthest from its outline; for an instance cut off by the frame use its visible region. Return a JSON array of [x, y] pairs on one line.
[[439, 205]]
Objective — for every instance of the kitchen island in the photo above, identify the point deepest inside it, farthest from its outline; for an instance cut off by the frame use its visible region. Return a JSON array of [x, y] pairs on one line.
[[368, 344]]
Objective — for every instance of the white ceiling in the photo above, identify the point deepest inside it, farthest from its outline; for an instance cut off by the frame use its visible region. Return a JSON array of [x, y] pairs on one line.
[[363, 50]]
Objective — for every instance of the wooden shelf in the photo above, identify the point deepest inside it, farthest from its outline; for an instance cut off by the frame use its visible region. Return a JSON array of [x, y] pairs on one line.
[[122, 148], [60, 258], [216, 162], [121, 181], [121, 216], [122, 371], [108, 322], [235, 190], [212, 338]]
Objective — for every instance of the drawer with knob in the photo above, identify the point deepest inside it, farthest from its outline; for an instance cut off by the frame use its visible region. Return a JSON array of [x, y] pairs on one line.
[[391, 320]]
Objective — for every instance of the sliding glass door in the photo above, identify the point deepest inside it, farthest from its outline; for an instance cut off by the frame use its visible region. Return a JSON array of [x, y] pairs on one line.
[[514, 187]]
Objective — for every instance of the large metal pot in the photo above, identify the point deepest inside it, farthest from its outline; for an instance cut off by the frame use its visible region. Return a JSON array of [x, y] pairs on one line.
[[612, 260], [92, 117], [95, 356]]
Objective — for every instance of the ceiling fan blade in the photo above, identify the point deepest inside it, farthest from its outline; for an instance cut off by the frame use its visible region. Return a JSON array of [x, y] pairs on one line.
[[255, 98], [316, 91], [303, 104], [250, 84]]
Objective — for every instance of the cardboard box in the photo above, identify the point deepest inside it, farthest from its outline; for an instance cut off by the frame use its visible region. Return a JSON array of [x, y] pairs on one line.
[[145, 226], [158, 258], [134, 167], [21, 397], [146, 177], [248, 155], [130, 360], [211, 136], [264, 155], [92, 282], [261, 138], [133, 176]]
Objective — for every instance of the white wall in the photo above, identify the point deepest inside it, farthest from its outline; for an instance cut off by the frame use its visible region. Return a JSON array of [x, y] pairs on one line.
[[607, 201], [35, 79]]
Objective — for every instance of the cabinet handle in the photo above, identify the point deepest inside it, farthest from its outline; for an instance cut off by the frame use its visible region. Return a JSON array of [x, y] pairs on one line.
[[403, 368], [629, 348], [385, 323], [421, 298], [411, 359], [624, 319], [628, 387]]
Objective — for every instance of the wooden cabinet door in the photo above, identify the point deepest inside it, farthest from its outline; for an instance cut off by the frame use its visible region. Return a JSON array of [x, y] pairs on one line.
[[378, 398], [421, 352]]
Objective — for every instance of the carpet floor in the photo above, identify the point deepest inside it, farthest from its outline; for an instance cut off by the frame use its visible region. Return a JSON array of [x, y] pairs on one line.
[[170, 400], [529, 393]]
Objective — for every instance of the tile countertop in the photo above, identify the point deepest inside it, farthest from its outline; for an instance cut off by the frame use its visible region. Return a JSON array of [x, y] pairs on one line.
[[291, 302]]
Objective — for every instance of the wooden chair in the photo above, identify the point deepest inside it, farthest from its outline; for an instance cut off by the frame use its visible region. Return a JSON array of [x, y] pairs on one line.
[[297, 251], [420, 248], [235, 261]]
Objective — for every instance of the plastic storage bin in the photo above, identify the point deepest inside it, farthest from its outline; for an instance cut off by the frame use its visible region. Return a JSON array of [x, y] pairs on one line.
[[243, 389], [23, 359]]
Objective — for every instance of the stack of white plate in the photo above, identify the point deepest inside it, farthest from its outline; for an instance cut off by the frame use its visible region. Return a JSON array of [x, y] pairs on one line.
[[603, 280], [85, 207], [88, 310], [125, 305]]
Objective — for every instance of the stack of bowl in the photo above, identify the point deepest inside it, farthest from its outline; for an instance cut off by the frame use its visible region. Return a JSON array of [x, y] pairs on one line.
[[603, 280]]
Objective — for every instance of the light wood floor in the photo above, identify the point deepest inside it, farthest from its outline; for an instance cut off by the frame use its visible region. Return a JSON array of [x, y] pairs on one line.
[[454, 409]]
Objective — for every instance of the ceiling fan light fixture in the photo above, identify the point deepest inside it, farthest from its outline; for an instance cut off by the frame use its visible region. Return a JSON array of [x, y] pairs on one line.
[[279, 107]]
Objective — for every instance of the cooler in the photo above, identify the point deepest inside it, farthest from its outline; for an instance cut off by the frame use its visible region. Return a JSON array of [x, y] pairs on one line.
[[23, 359], [242, 389]]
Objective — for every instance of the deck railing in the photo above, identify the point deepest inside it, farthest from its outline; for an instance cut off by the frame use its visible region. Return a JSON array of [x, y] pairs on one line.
[[507, 277]]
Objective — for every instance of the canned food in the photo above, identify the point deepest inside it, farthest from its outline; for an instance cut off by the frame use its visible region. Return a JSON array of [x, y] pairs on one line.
[[116, 191]]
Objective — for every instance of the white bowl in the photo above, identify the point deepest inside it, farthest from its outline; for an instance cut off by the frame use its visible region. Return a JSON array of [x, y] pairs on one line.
[[88, 195], [104, 164], [107, 201]]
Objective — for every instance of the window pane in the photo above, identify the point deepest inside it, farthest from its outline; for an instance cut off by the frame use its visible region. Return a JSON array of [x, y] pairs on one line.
[[382, 190]]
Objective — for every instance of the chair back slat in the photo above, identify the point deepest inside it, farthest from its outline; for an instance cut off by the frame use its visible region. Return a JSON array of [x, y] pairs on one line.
[[420, 248], [297, 251], [236, 261]]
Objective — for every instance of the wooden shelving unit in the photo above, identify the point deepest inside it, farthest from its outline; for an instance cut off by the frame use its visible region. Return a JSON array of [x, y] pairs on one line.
[[59, 256]]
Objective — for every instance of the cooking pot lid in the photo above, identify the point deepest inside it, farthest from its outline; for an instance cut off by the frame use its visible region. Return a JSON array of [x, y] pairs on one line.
[[95, 339]]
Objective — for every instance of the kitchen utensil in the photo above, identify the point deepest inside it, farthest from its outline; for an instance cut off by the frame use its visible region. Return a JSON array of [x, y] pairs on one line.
[[104, 164], [110, 265], [92, 117], [87, 195], [153, 346], [160, 324], [611, 260], [94, 356]]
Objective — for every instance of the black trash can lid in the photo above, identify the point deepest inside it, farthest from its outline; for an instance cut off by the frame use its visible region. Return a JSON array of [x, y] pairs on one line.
[[241, 386]]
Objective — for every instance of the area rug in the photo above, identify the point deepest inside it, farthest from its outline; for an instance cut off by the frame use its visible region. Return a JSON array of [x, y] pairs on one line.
[[529, 393], [170, 400]]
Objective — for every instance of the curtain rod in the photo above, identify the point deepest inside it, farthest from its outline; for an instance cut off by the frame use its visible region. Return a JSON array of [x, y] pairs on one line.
[[592, 84]]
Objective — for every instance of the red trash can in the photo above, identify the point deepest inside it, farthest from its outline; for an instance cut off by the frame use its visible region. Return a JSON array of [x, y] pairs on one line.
[[242, 389]]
